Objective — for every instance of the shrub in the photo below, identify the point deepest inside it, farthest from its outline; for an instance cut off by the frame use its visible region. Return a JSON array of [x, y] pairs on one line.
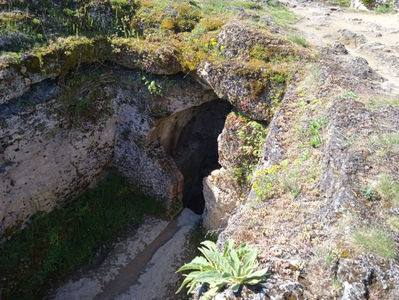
[[235, 266]]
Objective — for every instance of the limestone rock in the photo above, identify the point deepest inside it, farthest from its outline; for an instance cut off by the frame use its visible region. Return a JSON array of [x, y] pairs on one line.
[[358, 4], [221, 198], [50, 150], [351, 38]]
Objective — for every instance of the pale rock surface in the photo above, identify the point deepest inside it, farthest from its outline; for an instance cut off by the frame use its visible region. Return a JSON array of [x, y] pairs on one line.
[[48, 154], [221, 199]]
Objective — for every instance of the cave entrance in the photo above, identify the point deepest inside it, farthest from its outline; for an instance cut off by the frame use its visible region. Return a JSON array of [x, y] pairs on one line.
[[190, 137], [196, 152]]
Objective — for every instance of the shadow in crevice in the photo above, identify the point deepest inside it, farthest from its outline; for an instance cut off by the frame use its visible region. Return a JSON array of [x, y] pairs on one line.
[[196, 149]]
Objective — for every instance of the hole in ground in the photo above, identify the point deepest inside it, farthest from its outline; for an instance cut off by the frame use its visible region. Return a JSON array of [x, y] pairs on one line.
[[195, 148]]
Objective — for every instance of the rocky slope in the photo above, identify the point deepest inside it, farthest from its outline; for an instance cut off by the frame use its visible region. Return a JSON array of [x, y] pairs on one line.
[[308, 149], [321, 204]]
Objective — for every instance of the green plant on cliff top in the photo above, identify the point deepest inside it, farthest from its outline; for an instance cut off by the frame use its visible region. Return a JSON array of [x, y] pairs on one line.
[[233, 267]]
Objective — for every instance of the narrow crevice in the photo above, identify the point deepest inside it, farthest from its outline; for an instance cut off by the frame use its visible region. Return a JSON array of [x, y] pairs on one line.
[[196, 149]]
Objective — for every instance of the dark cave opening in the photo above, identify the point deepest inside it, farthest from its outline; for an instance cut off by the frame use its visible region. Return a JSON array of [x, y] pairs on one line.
[[195, 148]]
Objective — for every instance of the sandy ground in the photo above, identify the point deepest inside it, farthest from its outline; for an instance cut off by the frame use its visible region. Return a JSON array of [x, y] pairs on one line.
[[321, 25]]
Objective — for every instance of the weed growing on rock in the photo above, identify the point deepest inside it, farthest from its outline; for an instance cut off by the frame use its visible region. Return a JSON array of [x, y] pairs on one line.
[[298, 40], [264, 182], [368, 192], [312, 132], [375, 240], [152, 86], [394, 222], [389, 189], [252, 135], [234, 267], [350, 95]]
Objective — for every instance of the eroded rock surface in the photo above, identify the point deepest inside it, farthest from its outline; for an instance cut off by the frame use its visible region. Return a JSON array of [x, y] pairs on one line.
[[50, 149]]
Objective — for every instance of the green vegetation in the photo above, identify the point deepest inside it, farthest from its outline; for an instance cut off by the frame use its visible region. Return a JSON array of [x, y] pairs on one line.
[[350, 95], [83, 100], [43, 19], [215, 6], [379, 8], [376, 241], [343, 3], [375, 102], [368, 192], [388, 142], [389, 189], [367, 3], [384, 9], [234, 267], [312, 132], [280, 14], [290, 179], [152, 86], [252, 136], [265, 180], [298, 40], [394, 222], [55, 244]]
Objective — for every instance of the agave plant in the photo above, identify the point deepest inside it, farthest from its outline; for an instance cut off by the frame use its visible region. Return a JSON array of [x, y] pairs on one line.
[[233, 267]]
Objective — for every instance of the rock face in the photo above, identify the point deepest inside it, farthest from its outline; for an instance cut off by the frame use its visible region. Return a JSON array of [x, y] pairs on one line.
[[221, 195], [65, 118], [56, 140], [321, 178]]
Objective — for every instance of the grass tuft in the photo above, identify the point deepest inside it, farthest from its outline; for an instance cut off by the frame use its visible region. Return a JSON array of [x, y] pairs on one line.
[[389, 189], [376, 241], [298, 40], [394, 222]]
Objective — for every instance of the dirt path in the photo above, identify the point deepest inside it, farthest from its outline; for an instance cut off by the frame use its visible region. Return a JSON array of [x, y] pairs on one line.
[[374, 37], [141, 267]]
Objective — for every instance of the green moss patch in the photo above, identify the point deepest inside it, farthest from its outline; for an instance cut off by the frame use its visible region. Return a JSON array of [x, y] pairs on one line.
[[56, 244]]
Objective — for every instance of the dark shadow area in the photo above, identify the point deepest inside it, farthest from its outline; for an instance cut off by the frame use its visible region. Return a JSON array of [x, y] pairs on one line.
[[196, 149]]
